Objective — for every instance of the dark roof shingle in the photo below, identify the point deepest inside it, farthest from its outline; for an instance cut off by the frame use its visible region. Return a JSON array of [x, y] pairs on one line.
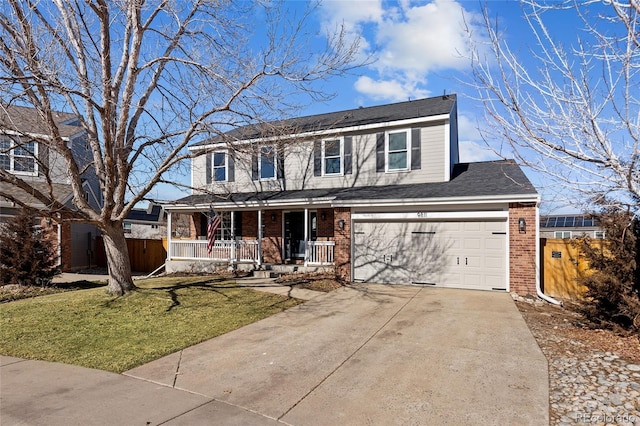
[[342, 119], [26, 120], [483, 179]]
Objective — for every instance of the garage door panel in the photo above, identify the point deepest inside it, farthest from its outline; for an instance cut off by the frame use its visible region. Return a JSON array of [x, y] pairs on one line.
[[495, 243], [469, 254]]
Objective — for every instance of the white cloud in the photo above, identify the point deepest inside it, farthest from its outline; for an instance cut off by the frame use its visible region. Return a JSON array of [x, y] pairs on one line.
[[472, 151], [352, 12], [424, 38], [411, 40], [468, 128], [390, 90]]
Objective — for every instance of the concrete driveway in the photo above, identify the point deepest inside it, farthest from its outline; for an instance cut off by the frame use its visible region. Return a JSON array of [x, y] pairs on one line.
[[362, 355]]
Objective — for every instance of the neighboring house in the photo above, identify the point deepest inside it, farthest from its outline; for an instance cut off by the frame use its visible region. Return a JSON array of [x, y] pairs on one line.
[[376, 193], [570, 226], [23, 154], [146, 224]]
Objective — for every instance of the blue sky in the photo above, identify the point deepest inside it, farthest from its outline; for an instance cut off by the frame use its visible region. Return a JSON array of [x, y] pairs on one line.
[[420, 49]]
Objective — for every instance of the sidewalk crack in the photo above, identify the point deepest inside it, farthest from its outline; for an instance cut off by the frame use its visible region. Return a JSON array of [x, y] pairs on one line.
[[177, 373]]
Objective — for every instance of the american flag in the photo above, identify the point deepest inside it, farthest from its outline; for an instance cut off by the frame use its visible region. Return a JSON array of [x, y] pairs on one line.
[[212, 227]]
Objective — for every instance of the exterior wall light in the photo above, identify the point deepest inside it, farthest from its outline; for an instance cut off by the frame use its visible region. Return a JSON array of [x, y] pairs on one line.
[[323, 216], [522, 225], [341, 224], [273, 217]]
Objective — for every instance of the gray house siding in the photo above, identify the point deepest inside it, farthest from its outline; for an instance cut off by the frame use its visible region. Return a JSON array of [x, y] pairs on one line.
[[299, 163]]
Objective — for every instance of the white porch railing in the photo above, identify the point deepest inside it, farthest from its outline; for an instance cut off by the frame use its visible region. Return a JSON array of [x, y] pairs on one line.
[[223, 250], [320, 252]]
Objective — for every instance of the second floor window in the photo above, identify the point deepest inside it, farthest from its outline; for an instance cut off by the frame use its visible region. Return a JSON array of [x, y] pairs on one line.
[[219, 166], [398, 152], [332, 157], [267, 162], [19, 159], [562, 234]]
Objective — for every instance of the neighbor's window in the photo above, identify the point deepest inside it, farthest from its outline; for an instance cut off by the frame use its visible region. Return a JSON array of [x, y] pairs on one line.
[[127, 227], [598, 235], [398, 151], [19, 159], [219, 166], [332, 153], [563, 234], [267, 162]]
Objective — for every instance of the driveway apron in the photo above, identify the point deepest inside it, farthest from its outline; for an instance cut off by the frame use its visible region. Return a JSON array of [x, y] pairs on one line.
[[372, 354]]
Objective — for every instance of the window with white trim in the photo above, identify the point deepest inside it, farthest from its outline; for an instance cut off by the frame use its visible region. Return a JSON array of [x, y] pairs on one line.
[[598, 235], [398, 150], [219, 166], [19, 158], [332, 157], [267, 162], [562, 234]]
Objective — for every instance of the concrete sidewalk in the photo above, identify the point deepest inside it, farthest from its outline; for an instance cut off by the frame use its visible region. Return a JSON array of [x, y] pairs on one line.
[[369, 354]]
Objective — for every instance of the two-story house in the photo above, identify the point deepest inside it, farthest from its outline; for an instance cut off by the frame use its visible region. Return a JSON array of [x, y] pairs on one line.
[[377, 193], [24, 153]]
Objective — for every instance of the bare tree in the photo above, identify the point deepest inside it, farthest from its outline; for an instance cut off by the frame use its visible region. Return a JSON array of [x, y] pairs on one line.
[[572, 111], [147, 78]]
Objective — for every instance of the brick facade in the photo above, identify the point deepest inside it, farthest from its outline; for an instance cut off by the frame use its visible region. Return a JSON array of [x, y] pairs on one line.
[[342, 254], [272, 237], [522, 249], [325, 226]]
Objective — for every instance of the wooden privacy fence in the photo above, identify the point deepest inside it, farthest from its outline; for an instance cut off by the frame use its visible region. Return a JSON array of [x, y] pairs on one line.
[[562, 264], [145, 255]]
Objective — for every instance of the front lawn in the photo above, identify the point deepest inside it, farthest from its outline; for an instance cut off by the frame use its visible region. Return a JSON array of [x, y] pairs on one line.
[[92, 329]]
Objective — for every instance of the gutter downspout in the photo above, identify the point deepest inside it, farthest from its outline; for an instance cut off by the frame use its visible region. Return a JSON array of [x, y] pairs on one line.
[[538, 289]]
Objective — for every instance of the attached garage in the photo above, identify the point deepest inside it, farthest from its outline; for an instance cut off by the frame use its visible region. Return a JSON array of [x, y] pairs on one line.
[[454, 252]]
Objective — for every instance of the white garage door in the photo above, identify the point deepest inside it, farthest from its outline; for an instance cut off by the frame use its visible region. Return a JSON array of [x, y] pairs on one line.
[[469, 254]]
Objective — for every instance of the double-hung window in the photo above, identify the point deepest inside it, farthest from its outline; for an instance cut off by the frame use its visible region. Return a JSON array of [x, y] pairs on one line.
[[562, 234], [267, 162], [398, 150], [332, 154], [219, 166], [19, 158]]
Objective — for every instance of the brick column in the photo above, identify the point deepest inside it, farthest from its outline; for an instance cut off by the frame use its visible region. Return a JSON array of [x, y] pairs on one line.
[[342, 237], [522, 249], [272, 238]]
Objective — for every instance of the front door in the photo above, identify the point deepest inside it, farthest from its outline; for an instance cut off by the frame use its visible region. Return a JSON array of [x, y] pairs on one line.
[[294, 235]]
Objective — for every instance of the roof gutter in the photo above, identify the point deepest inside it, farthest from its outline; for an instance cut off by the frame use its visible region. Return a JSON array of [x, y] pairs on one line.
[[538, 288]]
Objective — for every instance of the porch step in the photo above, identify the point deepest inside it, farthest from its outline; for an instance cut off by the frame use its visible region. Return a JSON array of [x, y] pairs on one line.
[[276, 270], [266, 274]]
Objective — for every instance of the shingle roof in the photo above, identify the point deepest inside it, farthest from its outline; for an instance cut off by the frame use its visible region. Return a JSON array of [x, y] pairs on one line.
[[342, 119], [491, 178], [61, 191], [146, 215], [26, 120]]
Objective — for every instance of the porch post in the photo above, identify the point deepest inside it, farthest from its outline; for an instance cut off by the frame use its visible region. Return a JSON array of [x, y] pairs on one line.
[[259, 260], [306, 236], [169, 235], [233, 237]]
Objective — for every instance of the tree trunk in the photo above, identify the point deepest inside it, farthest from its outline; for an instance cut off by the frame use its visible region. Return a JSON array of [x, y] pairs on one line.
[[115, 247]]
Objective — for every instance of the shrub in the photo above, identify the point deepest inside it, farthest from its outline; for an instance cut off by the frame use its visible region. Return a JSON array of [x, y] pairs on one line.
[[613, 289], [27, 256]]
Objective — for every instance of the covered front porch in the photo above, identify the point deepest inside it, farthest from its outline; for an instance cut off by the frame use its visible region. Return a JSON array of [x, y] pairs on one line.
[[251, 237]]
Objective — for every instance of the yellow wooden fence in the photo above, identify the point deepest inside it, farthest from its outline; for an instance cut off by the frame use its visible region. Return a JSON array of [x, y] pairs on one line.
[[562, 264]]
